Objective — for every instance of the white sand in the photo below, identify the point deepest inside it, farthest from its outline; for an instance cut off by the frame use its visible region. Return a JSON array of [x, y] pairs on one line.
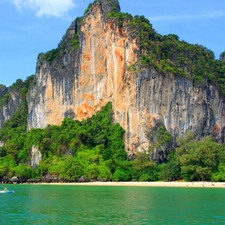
[[150, 184]]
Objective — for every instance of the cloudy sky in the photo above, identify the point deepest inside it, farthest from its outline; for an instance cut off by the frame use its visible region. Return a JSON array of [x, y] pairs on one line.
[[28, 27]]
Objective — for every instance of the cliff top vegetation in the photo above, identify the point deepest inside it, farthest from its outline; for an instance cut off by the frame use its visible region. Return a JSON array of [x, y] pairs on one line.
[[165, 53]]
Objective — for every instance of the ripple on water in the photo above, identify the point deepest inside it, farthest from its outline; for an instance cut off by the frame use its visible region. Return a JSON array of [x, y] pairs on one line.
[[47, 204]]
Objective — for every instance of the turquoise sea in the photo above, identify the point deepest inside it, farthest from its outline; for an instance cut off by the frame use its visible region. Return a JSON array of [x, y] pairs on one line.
[[61, 204]]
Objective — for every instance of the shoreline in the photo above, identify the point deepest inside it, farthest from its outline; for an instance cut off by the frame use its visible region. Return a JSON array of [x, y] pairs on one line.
[[198, 184]]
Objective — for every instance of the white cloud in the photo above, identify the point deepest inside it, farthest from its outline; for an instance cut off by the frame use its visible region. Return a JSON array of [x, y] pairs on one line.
[[55, 8], [188, 17]]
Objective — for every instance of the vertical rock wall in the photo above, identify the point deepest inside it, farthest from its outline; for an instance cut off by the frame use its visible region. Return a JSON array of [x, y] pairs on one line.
[[8, 107], [80, 82]]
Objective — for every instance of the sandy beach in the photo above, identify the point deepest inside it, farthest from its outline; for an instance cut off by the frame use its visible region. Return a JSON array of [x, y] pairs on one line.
[[150, 184]]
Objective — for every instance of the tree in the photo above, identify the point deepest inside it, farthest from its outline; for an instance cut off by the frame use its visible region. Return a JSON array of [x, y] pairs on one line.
[[3, 151], [171, 170], [220, 174], [22, 156], [197, 160], [144, 169], [222, 56]]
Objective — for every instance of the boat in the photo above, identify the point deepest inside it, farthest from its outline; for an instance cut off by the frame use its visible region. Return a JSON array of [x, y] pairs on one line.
[[6, 191]]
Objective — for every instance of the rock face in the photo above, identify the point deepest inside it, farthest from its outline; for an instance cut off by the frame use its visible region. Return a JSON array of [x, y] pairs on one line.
[[82, 80], [12, 101], [36, 157], [2, 144]]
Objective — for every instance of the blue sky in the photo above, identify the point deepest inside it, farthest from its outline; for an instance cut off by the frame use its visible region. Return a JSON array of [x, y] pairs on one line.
[[28, 27]]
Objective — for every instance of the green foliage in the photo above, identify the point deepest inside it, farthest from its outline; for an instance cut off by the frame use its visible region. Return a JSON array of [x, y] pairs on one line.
[[68, 42], [19, 87], [3, 151], [143, 31], [123, 171], [16, 126], [51, 55], [7, 164], [167, 54], [222, 56], [132, 68], [23, 171], [88, 8], [93, 148], [120, 16], [162, 136], [169, 171], [75, 41], [5, 99], [197, 160], [22, 156], [144, 168], [219, 175], [121, 175], [88, 141]]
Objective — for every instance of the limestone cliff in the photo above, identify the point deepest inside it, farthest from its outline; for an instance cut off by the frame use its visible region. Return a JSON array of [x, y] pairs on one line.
[[10, 102], [86, 76]]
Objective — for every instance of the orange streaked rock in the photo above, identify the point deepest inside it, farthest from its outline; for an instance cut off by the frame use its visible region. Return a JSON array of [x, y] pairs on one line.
[[98, 72]]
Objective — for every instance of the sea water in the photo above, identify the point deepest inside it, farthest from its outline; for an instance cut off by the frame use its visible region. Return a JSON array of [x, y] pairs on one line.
[[66, 204]]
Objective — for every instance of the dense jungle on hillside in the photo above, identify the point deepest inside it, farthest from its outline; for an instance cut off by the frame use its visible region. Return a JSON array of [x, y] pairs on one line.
[[93, 149]]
